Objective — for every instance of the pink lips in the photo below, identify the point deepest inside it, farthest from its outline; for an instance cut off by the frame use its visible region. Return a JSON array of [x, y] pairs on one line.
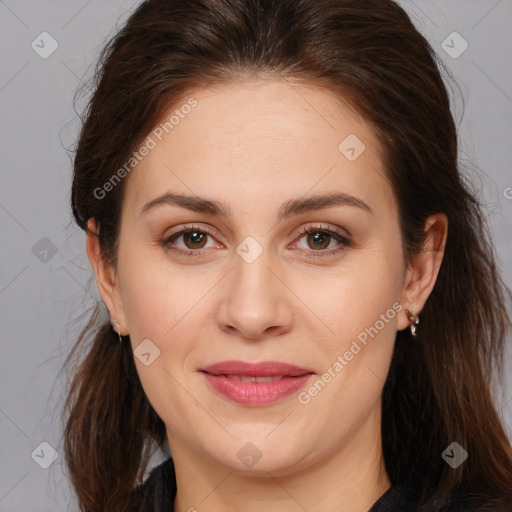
[[255, 384]]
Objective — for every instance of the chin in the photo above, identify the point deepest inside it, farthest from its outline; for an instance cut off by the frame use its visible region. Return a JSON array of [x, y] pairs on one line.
[[260, 456]]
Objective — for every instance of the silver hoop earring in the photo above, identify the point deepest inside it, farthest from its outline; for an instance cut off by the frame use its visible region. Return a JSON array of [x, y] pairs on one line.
[[414, 319], [116, 322]]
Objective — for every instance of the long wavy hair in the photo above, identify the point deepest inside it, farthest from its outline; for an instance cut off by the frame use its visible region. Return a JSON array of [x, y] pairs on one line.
[[440, 387]]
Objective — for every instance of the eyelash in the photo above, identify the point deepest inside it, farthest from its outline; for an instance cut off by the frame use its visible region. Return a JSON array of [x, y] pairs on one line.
[[344, 242]]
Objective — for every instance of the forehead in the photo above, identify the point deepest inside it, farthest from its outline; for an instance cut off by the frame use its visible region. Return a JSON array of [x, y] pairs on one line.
[[250, 141]]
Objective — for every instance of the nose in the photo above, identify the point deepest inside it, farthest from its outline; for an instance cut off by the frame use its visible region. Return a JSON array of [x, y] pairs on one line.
[[256, 303]]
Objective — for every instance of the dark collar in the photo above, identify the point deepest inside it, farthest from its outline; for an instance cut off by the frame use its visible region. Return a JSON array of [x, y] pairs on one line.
[[158, 492]]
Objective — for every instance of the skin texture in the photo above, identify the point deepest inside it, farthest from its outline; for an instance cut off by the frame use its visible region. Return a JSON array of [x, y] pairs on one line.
[[253, 146]]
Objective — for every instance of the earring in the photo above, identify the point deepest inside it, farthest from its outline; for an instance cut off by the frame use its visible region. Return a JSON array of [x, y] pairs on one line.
[[414, 319], [116, 322]]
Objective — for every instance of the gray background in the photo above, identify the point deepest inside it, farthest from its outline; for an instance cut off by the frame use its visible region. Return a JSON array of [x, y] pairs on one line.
[[42, 295]]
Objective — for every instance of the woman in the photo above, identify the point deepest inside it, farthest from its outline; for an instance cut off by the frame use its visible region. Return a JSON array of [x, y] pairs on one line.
[[303, 299]]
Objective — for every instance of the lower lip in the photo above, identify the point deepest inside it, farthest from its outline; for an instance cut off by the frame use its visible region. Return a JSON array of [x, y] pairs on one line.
[[256, 393]]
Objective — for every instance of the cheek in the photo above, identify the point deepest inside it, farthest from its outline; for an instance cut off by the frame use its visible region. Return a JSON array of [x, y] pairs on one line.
[[156, 297], [357, 362], [148, 309], [353, 298], [360, 308], [156, 309], [162, 305]]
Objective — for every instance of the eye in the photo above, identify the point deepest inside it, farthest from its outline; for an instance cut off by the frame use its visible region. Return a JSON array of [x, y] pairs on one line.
[[193, 239], [320, 239]]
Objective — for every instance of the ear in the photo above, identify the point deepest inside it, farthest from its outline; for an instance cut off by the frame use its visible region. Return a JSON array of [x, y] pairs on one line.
[[105, 277], [421, 274]]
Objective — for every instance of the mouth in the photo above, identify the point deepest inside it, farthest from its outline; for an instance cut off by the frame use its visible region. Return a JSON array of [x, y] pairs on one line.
[[262, 379], [255, 384]]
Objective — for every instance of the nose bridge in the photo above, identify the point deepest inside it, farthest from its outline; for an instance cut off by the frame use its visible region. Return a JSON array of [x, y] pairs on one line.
[[255, 302], [253, 284]]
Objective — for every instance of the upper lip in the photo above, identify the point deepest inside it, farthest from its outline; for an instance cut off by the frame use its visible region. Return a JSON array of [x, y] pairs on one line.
[[263, 369]]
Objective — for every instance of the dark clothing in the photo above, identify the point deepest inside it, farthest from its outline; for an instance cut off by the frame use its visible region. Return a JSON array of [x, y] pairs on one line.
[[157, 494]]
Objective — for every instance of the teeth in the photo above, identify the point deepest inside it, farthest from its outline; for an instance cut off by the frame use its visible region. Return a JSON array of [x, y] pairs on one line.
[[261, 380]]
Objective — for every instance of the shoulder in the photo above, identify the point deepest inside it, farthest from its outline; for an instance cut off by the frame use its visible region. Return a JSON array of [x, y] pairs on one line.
[[157, 492], [405, 497], [400, 497]]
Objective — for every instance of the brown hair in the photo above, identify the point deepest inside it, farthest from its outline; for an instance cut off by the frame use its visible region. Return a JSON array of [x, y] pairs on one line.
[[439, 387]]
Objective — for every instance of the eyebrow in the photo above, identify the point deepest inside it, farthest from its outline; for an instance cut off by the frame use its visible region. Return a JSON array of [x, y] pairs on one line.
[[287, 209]]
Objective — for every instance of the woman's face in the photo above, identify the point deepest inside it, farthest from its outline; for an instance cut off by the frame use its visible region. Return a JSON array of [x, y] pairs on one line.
[[257, 163]]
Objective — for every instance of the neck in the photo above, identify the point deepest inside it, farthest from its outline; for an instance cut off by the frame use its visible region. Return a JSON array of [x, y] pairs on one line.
[[353, 477]]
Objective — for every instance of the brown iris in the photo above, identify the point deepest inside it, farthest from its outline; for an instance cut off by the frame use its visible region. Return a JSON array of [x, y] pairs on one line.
[[319, 237]]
